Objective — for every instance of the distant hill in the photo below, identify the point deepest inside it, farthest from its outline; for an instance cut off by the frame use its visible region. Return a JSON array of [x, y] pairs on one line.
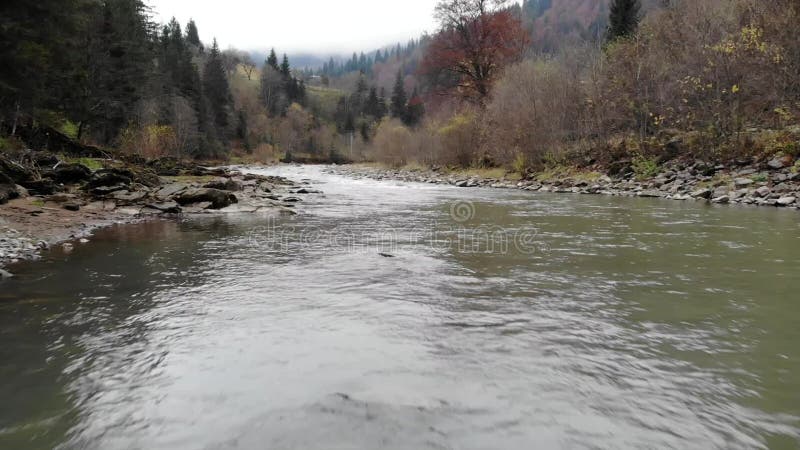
[[298, 61], [554, 23]]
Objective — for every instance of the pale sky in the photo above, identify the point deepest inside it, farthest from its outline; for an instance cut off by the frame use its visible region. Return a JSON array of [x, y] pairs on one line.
[[319, 26]]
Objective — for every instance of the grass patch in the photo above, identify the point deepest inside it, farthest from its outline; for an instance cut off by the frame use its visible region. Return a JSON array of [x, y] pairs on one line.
[[38, 202], [92, 163]]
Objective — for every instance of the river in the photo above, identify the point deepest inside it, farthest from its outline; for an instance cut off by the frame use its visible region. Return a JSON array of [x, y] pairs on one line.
[[399, 315]]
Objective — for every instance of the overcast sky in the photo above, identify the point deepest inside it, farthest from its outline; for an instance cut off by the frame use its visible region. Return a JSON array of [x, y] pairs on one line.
[[319, 26]]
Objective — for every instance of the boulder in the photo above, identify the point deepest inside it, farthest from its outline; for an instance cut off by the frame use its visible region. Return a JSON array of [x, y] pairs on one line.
[[170, 190], [702, 193], [224, 184], [721, 199], [71, 206], [22, 192], [743, 182], [126, 197], [763, 191], [779, 163], [102, 191], [109, 177], [786, 201], [649, 194], [42, 187], [165, 207], [218, 199], [72, 173], [8, 192]]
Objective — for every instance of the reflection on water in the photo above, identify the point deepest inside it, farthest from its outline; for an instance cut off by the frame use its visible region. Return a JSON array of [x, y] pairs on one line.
[[593, 322]]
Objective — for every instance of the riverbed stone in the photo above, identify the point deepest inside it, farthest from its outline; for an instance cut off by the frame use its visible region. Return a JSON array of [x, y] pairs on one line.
[[128, 197], [763, 191], [786, 201], [702, 193], [722, 199], [71, 173], [225, 184], [777, 163], [743, 182], [216, 198], [169, 207]]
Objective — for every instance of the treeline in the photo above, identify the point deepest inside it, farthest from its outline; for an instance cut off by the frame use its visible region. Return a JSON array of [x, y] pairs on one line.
[[103, 72], [712, 79], [364, 63]]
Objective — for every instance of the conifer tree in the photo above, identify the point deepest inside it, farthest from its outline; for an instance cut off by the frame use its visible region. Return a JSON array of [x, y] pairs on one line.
[[623, 19], [399, 98], [192, 35], [285, 68], [272, 60], [217, 90]]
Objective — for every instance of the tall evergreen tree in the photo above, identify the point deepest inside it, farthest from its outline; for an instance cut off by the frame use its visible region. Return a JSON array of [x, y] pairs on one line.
[[399, 97], [623, 19], [285, 69], [192, 35], [217, 90], [272, 60]]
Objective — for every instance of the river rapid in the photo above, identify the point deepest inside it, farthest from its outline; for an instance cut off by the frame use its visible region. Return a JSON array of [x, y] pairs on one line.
[[400, 315]]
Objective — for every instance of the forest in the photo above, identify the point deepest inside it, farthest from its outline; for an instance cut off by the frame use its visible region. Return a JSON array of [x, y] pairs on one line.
[[521, 86]]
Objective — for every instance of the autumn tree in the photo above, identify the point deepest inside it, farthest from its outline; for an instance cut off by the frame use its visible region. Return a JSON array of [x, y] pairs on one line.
[[476, 39], [248, 65]]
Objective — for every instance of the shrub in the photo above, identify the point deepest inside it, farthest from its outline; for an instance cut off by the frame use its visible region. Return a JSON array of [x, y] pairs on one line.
[[644, 167]]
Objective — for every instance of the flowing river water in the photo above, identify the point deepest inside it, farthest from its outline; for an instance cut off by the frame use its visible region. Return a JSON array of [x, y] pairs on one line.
[[410, 316]]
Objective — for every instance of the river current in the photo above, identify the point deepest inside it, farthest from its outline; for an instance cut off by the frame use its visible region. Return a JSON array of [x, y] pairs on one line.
[[410, 316]]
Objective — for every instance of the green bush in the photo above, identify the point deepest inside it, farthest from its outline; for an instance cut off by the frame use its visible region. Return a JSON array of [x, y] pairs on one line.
[[644, 167], [70, 129]]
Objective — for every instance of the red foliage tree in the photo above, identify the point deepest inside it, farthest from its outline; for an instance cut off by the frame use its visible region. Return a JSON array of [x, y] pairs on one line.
[[476, 39]]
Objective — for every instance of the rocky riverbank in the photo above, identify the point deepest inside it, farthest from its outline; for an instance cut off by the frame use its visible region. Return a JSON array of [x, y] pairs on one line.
[[774, 183], [46, 201]]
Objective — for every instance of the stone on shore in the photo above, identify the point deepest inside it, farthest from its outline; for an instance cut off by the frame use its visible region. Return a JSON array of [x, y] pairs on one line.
[[216, 198], [702, 193], [71, 173], [225, 184], [786, 201]]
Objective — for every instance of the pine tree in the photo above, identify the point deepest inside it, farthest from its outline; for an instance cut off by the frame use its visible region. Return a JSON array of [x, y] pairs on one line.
[[399, 98], [285, 68], [217, 90], [623, 19], [192, 35], [272, 60]]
